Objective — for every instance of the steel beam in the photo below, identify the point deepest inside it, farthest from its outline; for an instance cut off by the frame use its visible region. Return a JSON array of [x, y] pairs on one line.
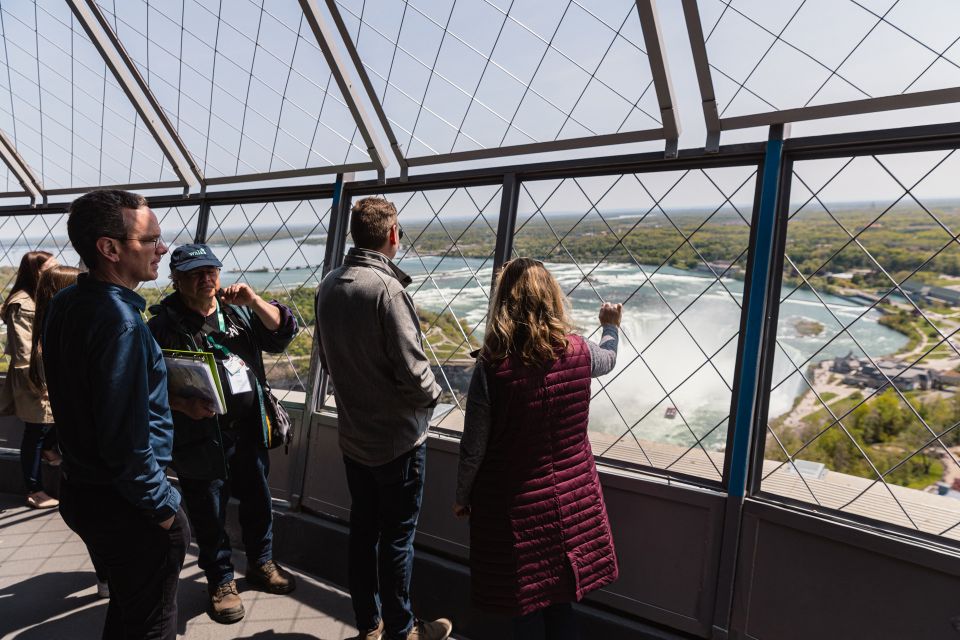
[[509, 200], [27, 178], [653, 39], [332, 258], [704, 78], [568, 144], [294, 173], [324, 38], [203, 222], [747, 405], [338, 225], [135, 87], [367, 85], [849, 108], [130, 186]]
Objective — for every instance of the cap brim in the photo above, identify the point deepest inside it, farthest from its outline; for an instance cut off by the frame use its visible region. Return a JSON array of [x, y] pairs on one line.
[[197, 263]]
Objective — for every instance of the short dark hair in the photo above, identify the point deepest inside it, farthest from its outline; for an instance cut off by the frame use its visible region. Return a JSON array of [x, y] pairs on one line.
[[370, 222], [96, 215]]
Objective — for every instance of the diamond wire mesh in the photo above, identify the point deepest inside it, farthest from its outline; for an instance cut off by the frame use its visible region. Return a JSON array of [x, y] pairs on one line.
[[71, 122], [178, 225], [447, 249], [8, 181], [48, 232], [864, 414], [672, 247], [22, 233], [474, 75], [865, 49], [244, 83], [277, 248]]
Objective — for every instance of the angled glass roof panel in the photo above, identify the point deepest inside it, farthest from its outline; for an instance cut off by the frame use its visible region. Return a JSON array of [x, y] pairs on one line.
[[771, 56], [62, 107], [461, 75], [244, 83]]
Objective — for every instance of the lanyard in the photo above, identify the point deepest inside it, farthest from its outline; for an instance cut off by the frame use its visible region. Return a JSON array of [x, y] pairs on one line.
[[222, 326]]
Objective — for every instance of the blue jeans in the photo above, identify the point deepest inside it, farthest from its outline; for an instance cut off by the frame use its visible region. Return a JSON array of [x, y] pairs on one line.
[[385, 505], [36, 439], [206, 500], [556, 622]]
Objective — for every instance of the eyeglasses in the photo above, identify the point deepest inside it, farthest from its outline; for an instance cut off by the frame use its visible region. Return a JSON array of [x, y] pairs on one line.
[[156, 242], [399, 231]]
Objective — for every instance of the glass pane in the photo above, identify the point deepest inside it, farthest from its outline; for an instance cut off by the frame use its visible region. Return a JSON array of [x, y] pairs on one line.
[[30, 232], [672, 247], [277, 248], [864, 412], [447, 249]]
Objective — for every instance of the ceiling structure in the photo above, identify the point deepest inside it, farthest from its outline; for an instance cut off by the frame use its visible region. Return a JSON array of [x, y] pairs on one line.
[[196, 94]]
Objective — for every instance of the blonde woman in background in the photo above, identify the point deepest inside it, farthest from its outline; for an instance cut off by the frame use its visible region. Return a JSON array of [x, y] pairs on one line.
[[21, 397], [539, 534]]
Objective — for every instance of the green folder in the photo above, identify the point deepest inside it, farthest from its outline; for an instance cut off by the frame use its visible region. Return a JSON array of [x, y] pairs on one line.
[[193, 374]]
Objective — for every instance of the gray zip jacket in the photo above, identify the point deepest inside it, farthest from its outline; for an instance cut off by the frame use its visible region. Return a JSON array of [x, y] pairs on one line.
[[370, 343]]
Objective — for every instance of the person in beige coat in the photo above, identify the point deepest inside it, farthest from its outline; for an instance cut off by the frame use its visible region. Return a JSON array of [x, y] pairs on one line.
[[20, 396]]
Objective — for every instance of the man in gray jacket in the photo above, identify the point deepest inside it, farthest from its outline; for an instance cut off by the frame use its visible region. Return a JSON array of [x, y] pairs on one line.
[[371, 345]]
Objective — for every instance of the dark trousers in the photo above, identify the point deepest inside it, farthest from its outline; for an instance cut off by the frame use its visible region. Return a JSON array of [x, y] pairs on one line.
[[36, 439], [556, 622], [385, 505], [206, 502], [142, 560]]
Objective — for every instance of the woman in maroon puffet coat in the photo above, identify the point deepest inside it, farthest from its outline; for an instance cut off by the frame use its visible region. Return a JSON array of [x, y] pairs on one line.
[[539, 534]]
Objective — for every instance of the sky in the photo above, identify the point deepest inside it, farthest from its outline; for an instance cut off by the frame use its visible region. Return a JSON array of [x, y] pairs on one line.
[[248, 89]]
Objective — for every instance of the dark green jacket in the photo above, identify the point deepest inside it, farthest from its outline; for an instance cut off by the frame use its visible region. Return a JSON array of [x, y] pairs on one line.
[[197, 444]]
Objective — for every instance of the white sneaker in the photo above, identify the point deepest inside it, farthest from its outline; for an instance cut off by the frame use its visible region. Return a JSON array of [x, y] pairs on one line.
[[103, 590]]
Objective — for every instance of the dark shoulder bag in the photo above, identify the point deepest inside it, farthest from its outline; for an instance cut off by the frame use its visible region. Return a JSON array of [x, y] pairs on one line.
[[279, 425]]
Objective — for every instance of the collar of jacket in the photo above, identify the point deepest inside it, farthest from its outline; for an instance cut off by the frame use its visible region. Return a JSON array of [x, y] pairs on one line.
[[86, 282], [357, 257], [189, 320]]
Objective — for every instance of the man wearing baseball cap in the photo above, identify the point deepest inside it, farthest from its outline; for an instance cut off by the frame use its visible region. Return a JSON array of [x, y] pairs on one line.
[[217, 456]]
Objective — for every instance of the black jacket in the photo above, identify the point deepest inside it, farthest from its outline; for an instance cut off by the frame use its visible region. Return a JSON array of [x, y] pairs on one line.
[[197, 444]]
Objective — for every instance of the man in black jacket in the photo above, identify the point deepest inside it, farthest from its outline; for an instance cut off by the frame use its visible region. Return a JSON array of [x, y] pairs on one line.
[[219, 456]]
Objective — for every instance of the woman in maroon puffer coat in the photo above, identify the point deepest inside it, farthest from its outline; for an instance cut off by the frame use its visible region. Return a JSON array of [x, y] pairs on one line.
[[539, 534]]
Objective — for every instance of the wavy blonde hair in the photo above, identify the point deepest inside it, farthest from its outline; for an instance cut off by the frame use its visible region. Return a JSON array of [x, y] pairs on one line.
[[528, 317]]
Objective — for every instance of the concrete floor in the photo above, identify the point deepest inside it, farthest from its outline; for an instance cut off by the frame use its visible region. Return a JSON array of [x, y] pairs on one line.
[[47, 591]]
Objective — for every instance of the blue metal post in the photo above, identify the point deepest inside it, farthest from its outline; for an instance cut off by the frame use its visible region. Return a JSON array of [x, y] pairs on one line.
[[756, 302], [749, 374], [337, 227], [332, 258]]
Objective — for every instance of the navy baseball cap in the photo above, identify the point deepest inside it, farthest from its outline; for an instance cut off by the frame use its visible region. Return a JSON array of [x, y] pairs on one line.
[[193, 256]]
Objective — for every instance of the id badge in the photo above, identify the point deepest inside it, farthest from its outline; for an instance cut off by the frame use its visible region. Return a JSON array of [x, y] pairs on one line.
[[237, 378]]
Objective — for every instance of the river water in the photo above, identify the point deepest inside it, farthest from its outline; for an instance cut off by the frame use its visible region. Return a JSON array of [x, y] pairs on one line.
[[685, 363], [678, 342]]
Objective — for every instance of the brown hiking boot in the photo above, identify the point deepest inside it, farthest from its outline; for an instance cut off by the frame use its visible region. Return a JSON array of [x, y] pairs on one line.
[[373, 634], [272, 578], [225, 603], [439, 629]]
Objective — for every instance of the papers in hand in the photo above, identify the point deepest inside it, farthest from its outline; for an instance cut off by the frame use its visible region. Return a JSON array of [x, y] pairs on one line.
[[193, 374]]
